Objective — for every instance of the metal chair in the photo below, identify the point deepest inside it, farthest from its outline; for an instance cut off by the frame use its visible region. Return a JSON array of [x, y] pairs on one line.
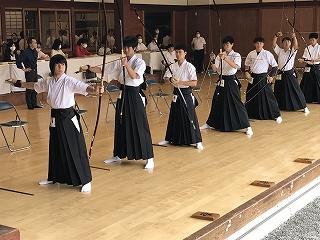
[[17, 123], [158, 94], [111, 88], [81, 112]]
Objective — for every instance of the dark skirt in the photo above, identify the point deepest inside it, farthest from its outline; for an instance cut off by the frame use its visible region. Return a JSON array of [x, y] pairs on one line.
[[264, 105], [310, 84], [180, 131], [227, 111], [132, 138], [288, 92], [68, 159]]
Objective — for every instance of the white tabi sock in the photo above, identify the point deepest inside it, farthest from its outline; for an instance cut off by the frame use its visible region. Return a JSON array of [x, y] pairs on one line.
[[249, 131], [306, 111], [115, 159], [149, 164], [86, 188], [45, 182], [164, 142], [279, 119], [205, 126]]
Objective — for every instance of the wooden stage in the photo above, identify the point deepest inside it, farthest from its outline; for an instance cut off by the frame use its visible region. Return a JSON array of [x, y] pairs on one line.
[[131, 203]]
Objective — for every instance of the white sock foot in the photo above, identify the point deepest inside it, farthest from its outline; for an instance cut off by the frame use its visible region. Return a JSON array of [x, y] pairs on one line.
[[205, 126], [162, 143], [199, 146], [115, 159], [279, 119], [149, 164], [306, 111], [45, 182], [249, 131], [86, 188]]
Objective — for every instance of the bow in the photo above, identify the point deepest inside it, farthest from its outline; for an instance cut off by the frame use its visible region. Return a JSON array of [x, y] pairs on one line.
[[102, 76], [122, 55], [293, 28], [168, 65], [220, 36]]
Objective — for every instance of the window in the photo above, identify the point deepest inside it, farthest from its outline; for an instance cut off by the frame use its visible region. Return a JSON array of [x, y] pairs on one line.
[[55, 24], [92, 26], [31, 24], [13, 20]]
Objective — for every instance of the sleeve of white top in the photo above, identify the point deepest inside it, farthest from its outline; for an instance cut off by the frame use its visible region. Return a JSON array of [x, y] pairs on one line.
[[77, 86], [41, 86], [271, 60], [237, 60], [276, 49], [192, 72], [167, 74], [306, 54], [248, 60], [140, 67], [217, 62]]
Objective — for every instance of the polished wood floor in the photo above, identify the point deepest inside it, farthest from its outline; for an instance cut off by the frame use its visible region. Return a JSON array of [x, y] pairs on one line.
[[131, 203]]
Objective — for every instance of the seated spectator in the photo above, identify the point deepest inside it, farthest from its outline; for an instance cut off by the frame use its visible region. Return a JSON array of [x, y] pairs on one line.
[[10, 52], [41, 55], [153, 47], [80, 49], [141, 47], [56, 48]]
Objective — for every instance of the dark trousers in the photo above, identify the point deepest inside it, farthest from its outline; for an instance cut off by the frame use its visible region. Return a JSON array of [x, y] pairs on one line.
[[198, 60], [31, 95]]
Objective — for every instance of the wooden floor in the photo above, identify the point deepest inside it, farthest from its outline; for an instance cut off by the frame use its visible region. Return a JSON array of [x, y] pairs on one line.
[[131, 203]]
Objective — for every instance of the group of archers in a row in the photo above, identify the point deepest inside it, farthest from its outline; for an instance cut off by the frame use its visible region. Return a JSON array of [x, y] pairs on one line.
[[68, 158]]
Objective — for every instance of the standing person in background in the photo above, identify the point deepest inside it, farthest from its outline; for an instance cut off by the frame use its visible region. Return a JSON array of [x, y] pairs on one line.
[[166, 40], [198, 46], [111, 41], [22, 42], [27, 61]]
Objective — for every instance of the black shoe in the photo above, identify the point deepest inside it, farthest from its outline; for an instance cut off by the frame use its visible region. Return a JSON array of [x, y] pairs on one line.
[[37, 106], [30, 108]]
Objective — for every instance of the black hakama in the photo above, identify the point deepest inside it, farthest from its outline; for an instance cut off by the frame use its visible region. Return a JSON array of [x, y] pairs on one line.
[[264, 105], [310, 84], [288, 92], [180, 131], [68, 159], [132, 138], [227, 110]]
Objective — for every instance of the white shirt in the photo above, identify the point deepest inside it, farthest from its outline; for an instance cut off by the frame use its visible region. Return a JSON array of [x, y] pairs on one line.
[[141, 47], [170, 56], [111, 41], [55, 52], [314, 51], [184, 72], [259, 63], [137, 64], [61, 92], [226, 68], [198, 43], [166, 40], [153, 46], [283, 57]]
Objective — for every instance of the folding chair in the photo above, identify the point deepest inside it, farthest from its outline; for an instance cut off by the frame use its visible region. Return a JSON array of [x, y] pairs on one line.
[[81, 112], [158, 94], [4, 105]]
